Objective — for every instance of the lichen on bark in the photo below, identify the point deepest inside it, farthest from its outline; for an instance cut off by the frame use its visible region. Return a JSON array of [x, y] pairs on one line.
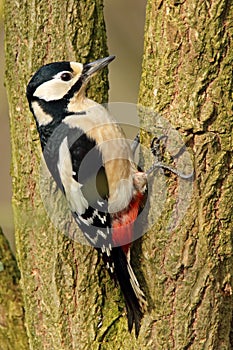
[[187, 78], [186, 272], [12, 330]]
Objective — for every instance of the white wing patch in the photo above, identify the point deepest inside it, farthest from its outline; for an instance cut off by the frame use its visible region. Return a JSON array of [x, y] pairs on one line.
[[94, 240], [74, 196]]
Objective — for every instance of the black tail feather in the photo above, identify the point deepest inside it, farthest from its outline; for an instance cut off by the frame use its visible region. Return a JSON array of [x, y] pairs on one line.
[[134, 297]]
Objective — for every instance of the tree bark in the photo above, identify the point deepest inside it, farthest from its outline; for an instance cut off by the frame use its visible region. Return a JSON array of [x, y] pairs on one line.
[[187, 78], [63, 290], [12, 331], [69, 301]]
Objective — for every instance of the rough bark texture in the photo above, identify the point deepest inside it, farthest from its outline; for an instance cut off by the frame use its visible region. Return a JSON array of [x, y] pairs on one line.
[[12, 331], [187, 77], [64, 303]]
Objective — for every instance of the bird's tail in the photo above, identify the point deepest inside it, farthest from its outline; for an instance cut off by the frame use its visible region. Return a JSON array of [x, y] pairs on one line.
[[134, 297]]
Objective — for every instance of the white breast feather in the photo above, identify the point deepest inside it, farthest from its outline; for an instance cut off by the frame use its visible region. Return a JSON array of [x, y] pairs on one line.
[[115, 149], [72, 188]]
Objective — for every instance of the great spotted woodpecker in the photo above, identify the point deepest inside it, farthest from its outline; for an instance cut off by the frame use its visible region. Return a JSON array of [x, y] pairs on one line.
[[92, 163]]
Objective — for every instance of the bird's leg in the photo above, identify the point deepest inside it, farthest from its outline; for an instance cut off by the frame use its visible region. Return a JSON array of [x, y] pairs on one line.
[[135, 143], [158, 164], [157, 153]]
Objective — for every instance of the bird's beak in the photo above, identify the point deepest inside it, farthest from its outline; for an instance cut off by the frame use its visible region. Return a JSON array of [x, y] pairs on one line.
[[90, 69]]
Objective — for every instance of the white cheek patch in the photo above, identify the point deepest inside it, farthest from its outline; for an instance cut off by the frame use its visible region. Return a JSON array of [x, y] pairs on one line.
[[72, 188], [53, 89], [56, 88], [41, 117]]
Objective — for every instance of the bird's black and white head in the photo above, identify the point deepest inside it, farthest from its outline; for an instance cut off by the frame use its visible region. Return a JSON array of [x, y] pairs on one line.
[[55, 87]]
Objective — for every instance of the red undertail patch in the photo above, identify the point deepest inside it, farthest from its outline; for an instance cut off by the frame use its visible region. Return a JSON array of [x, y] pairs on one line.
[[122, 225]]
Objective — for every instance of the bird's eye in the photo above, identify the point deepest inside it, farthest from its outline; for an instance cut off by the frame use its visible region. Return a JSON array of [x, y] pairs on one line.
[[66, 76]]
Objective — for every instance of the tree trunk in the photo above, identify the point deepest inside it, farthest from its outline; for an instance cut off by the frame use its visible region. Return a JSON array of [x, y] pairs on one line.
[[70, 303], [187, 78], [63, 291], [12, 331]]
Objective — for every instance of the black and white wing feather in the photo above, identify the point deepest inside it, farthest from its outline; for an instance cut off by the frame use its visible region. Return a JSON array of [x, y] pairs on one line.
[[82, 174]]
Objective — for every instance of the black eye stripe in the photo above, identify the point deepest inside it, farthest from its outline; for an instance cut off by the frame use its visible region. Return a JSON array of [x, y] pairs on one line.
[[66, 76]]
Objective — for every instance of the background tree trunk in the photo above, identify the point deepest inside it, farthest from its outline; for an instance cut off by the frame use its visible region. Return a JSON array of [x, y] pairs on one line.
[[187, 75], [59, 279], [12, 331]]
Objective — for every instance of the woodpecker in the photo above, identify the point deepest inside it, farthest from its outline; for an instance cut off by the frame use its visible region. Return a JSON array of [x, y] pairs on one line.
[[93, 165]]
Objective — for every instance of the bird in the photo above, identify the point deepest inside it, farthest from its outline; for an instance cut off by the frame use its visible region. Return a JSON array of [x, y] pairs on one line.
[[92, 163]]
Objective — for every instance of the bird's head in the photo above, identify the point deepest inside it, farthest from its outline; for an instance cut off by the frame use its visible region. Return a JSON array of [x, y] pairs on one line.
[[54, 85], [58, 80]]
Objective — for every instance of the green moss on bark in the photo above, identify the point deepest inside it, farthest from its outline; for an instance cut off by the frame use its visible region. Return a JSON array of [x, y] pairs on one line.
[[61, 285], [187, 77], [12, 331]]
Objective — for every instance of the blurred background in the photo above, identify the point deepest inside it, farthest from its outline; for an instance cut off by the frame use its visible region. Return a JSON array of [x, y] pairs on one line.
[[125, 30]]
